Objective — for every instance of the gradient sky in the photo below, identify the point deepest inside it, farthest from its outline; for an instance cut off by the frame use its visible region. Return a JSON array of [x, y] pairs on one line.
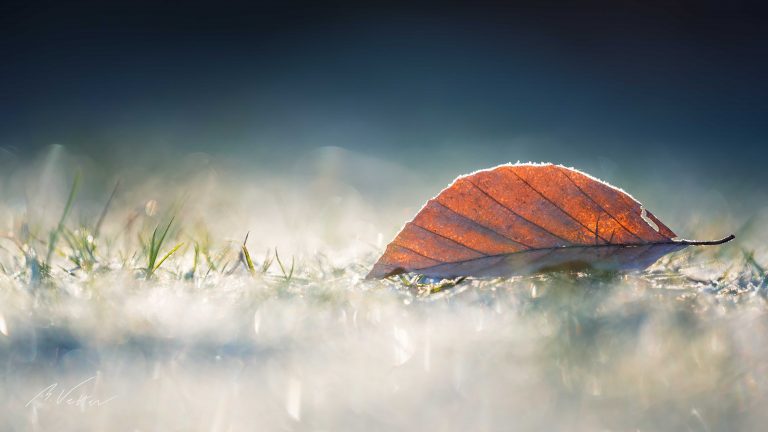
[[681, 83]]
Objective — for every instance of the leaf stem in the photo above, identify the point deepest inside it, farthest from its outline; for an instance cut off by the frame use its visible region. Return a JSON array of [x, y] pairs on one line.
[[707, 243]]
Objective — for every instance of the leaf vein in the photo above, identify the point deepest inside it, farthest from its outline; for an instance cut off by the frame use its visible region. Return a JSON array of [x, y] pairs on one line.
[[421, 254], [517, 214], [557, 206], [448, 238], [500, 234], [598, 205]]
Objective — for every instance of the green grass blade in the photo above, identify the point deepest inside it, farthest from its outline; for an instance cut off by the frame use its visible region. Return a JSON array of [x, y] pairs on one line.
[[154, 246], [55, 234], [267, 263], [196, 258], [165, 257], [165, 231], [287, 275], [247, 256], [248, 261], [152, 250], [103, 215]]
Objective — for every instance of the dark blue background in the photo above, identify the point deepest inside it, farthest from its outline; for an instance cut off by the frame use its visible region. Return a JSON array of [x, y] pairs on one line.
[[674, 85]]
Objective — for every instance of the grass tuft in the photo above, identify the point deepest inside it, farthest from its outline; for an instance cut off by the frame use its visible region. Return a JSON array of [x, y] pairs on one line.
[[154, 246]]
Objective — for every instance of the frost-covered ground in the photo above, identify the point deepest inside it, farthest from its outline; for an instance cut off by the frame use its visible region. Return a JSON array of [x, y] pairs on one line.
[[205, 344]]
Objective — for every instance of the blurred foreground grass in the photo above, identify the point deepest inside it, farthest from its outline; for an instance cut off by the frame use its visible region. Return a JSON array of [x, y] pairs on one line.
[[156, 288]]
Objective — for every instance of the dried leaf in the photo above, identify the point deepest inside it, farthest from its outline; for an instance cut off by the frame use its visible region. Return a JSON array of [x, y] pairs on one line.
[[523, 218]]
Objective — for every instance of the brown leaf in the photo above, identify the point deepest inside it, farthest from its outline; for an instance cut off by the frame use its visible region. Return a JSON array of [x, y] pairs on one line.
[[522, 218]]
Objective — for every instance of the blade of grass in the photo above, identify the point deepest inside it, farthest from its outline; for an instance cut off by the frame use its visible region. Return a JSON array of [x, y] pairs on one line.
[[155, 243], [165, 257], [196, 258], [246, 256], [286, 275], [103, 215], [55, 234], [267, 262]]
